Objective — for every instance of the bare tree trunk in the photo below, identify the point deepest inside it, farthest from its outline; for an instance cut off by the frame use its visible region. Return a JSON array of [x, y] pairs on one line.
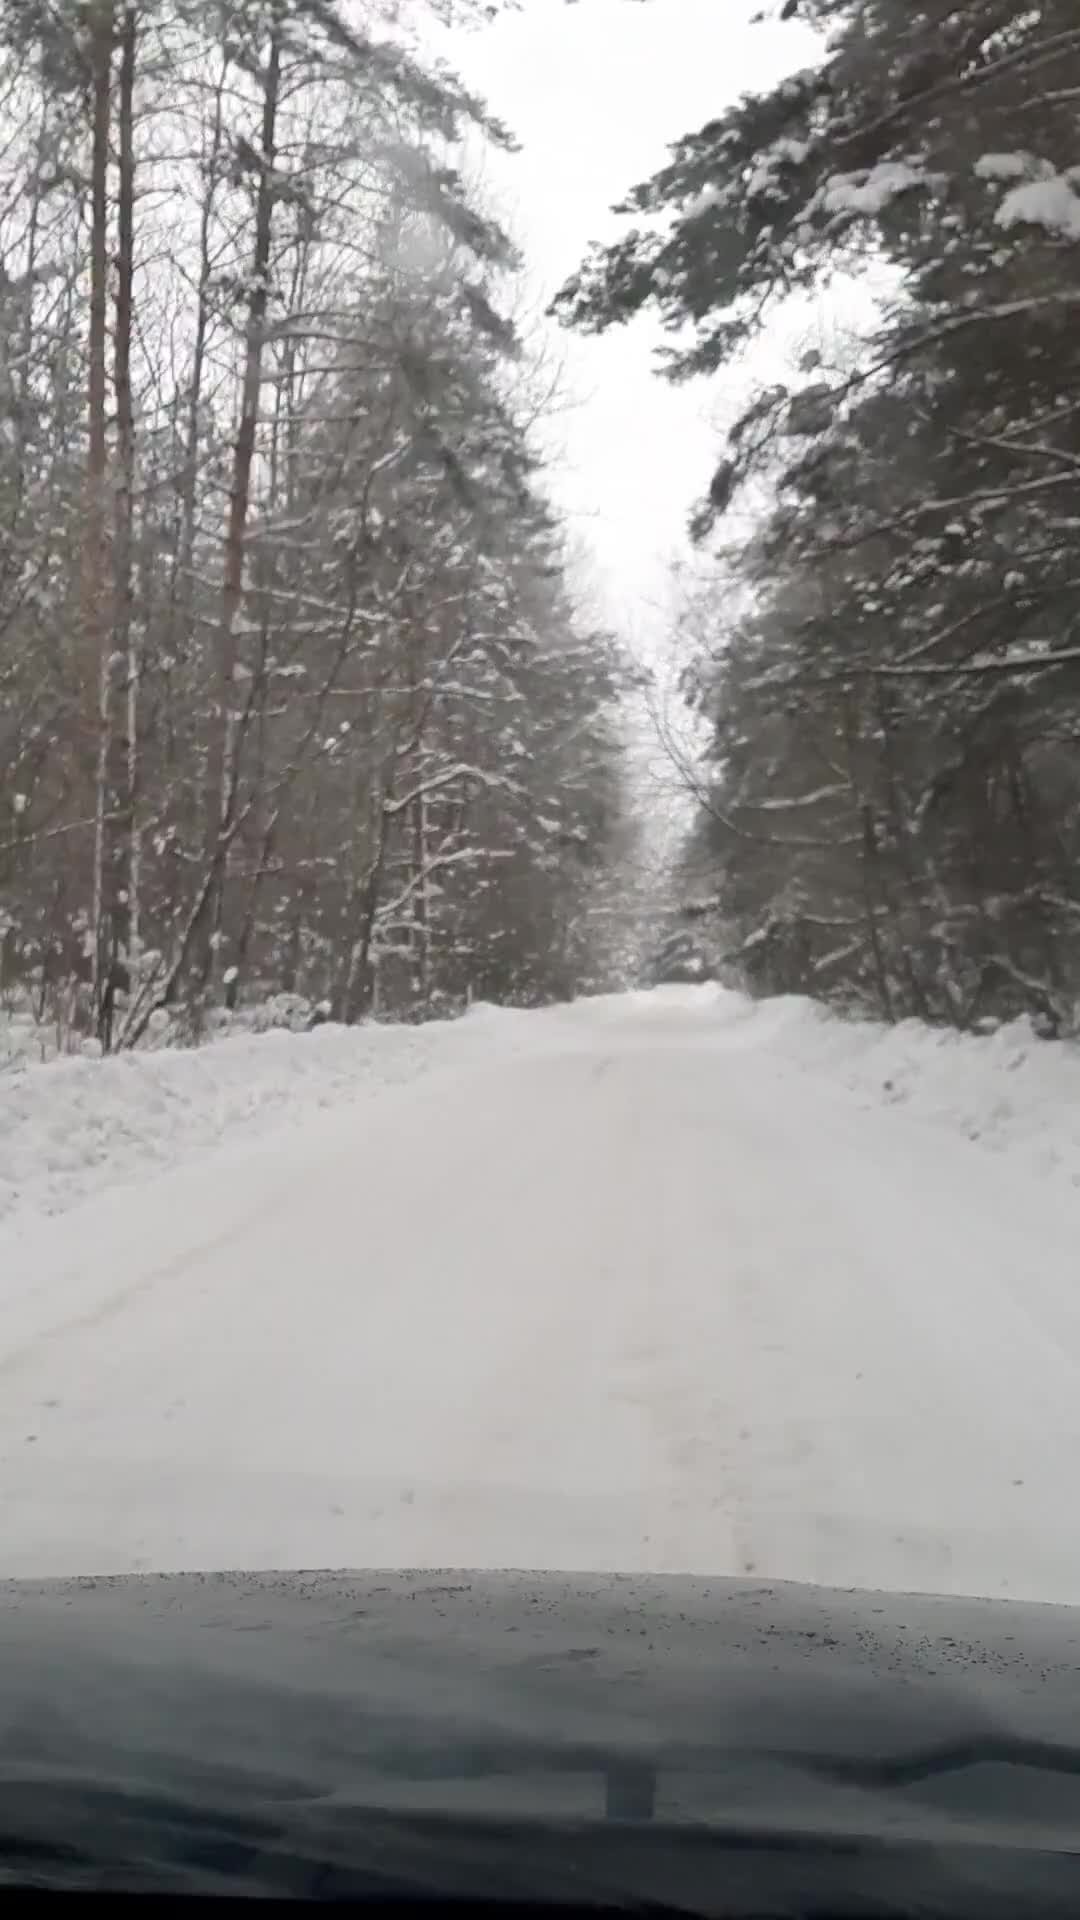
[[901, 836], [873, 902], [95, 551], [222, 766], [180, 640], [356, 977], [121, 862], [185, 557], [869, 862], [24, 354], [422, 904]]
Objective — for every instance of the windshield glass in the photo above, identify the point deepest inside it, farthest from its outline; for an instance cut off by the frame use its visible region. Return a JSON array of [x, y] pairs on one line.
[[538, 794]]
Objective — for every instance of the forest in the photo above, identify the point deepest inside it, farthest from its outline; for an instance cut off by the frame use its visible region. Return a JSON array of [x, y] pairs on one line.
[[888, 664], [296, 698], [299, 696]]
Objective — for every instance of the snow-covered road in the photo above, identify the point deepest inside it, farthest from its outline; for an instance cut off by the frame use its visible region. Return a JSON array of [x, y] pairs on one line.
[[614, 1288]]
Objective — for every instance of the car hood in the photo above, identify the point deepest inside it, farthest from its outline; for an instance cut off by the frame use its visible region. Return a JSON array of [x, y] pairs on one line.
[[214, 1729]]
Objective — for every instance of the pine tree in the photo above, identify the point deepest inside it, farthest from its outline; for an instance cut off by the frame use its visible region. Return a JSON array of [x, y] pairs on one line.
[[916, 594]]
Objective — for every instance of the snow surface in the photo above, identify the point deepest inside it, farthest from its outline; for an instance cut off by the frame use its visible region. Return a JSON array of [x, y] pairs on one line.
[[1051, 203], [74, 1125], [668, 1282], [1006, 166], [871, 189]]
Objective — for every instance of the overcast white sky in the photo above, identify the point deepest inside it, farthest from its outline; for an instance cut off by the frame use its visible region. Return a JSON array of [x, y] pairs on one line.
[[595, 92]]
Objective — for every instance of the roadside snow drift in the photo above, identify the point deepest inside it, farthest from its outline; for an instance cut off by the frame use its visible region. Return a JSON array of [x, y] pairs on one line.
[[665, 1283]]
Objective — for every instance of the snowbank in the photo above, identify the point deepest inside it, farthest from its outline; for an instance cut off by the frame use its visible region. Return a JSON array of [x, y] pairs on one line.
[[1009, 1091], [76, 1125]]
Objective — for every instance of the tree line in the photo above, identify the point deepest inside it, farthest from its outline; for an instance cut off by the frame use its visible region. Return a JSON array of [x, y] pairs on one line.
[[295, 695], [889, 667]]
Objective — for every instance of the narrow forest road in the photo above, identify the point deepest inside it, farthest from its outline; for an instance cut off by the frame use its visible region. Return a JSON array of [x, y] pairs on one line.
[[635, 1297]]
